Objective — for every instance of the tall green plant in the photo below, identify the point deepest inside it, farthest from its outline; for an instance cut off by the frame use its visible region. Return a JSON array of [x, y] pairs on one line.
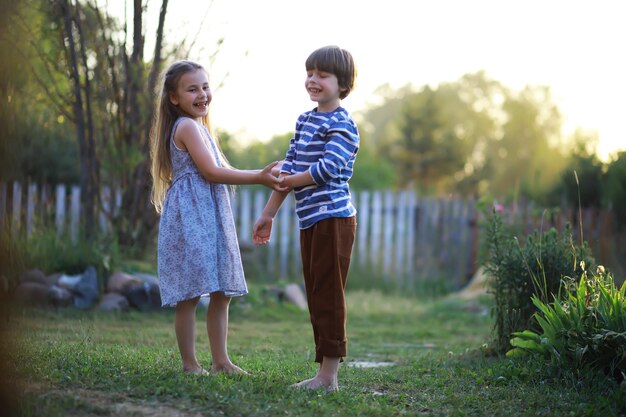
[[583, 329], [521, 270]]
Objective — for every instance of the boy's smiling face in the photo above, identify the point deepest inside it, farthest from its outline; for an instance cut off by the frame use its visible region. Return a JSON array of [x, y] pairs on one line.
[[324, 89]]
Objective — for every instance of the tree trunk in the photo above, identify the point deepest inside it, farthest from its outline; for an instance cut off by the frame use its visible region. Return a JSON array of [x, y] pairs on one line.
[[92, 200], [88, 178], [140, 215]]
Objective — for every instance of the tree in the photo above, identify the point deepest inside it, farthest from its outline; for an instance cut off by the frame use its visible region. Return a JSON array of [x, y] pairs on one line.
[[526, 156], [424, 149], [581, 181], [77, 67], [37, 143], [437, 137], [105, 99], [471, 136], [614, 192]]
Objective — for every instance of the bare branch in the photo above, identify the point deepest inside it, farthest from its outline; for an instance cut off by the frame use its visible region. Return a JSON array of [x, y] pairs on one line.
[[200, 26], [115, 85]]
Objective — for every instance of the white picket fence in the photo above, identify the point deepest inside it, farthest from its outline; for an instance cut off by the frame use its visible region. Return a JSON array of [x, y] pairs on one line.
[[399, 235], [26, 205]]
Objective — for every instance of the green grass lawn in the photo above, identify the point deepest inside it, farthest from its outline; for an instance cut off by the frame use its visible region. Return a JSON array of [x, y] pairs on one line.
[[66, 362]]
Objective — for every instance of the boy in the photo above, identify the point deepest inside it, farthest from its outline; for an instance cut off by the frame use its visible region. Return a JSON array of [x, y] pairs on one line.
[[317, 167]]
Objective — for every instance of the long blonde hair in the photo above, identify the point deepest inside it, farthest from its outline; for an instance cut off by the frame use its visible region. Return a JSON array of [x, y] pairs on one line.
[[165, 116]]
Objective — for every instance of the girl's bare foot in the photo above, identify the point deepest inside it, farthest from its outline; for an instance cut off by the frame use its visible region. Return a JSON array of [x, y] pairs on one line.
[[196, 371], [228, 369]]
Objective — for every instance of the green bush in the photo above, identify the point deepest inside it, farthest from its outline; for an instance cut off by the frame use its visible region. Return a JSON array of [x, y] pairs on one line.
[[583, 329], [521, 271]]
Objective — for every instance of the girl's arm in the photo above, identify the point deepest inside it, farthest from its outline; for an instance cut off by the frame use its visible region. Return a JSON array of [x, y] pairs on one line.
[[188, 137]]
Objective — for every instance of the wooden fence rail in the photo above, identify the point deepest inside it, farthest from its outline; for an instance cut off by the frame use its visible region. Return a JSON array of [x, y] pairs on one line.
[[400, 235]]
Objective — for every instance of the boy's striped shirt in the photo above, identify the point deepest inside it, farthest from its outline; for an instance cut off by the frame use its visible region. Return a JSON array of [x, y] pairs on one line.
[[325, 144]]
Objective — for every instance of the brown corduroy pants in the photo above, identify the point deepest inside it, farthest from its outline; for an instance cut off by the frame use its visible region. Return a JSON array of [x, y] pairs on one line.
[[326, 249]]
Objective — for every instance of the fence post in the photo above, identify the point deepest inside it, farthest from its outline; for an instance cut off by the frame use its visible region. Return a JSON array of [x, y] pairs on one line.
[[388, 234], [17, 208], [44, 205], [30, 208], [245, 230], [376, 223], [59, 215], [458, 223], [75, 213], [258, 206], [118, 201], [427, 235], [3, 204], [363, 212], [105, 212], [411, 231], [400, 237], [284, 218]]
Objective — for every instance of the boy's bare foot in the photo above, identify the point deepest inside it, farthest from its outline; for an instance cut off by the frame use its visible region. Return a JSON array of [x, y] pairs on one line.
[[302, 384], [318, 382]]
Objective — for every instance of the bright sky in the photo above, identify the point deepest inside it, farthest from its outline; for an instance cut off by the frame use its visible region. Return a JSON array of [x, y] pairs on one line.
[[575, 47]]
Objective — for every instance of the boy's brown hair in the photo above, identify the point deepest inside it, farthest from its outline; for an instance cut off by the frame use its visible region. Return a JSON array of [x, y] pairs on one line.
[[336, 61]]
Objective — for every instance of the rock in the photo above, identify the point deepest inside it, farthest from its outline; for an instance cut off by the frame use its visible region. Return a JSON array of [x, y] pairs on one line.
[[86, 289], [293, 294], [59, 296], [32, 293], [34, 275], [53, 279], [144, 296], [120, 281], [477, 286], [150, 279], [69, 281], [113, 302]]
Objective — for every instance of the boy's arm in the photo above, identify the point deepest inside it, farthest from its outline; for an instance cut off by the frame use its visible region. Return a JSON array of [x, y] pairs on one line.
[[339, 151], [262, 229], [300, 179], [287, 163]]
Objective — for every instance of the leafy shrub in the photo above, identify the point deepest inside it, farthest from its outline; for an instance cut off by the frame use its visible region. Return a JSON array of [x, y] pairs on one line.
[[44, 250], [521, 271], [584, 328]]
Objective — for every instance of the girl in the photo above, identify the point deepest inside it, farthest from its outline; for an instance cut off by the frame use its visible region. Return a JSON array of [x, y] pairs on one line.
[[198, 251]]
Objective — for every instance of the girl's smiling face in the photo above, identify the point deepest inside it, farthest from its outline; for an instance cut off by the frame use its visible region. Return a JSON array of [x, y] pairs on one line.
[[193, 94], [323, 88]]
